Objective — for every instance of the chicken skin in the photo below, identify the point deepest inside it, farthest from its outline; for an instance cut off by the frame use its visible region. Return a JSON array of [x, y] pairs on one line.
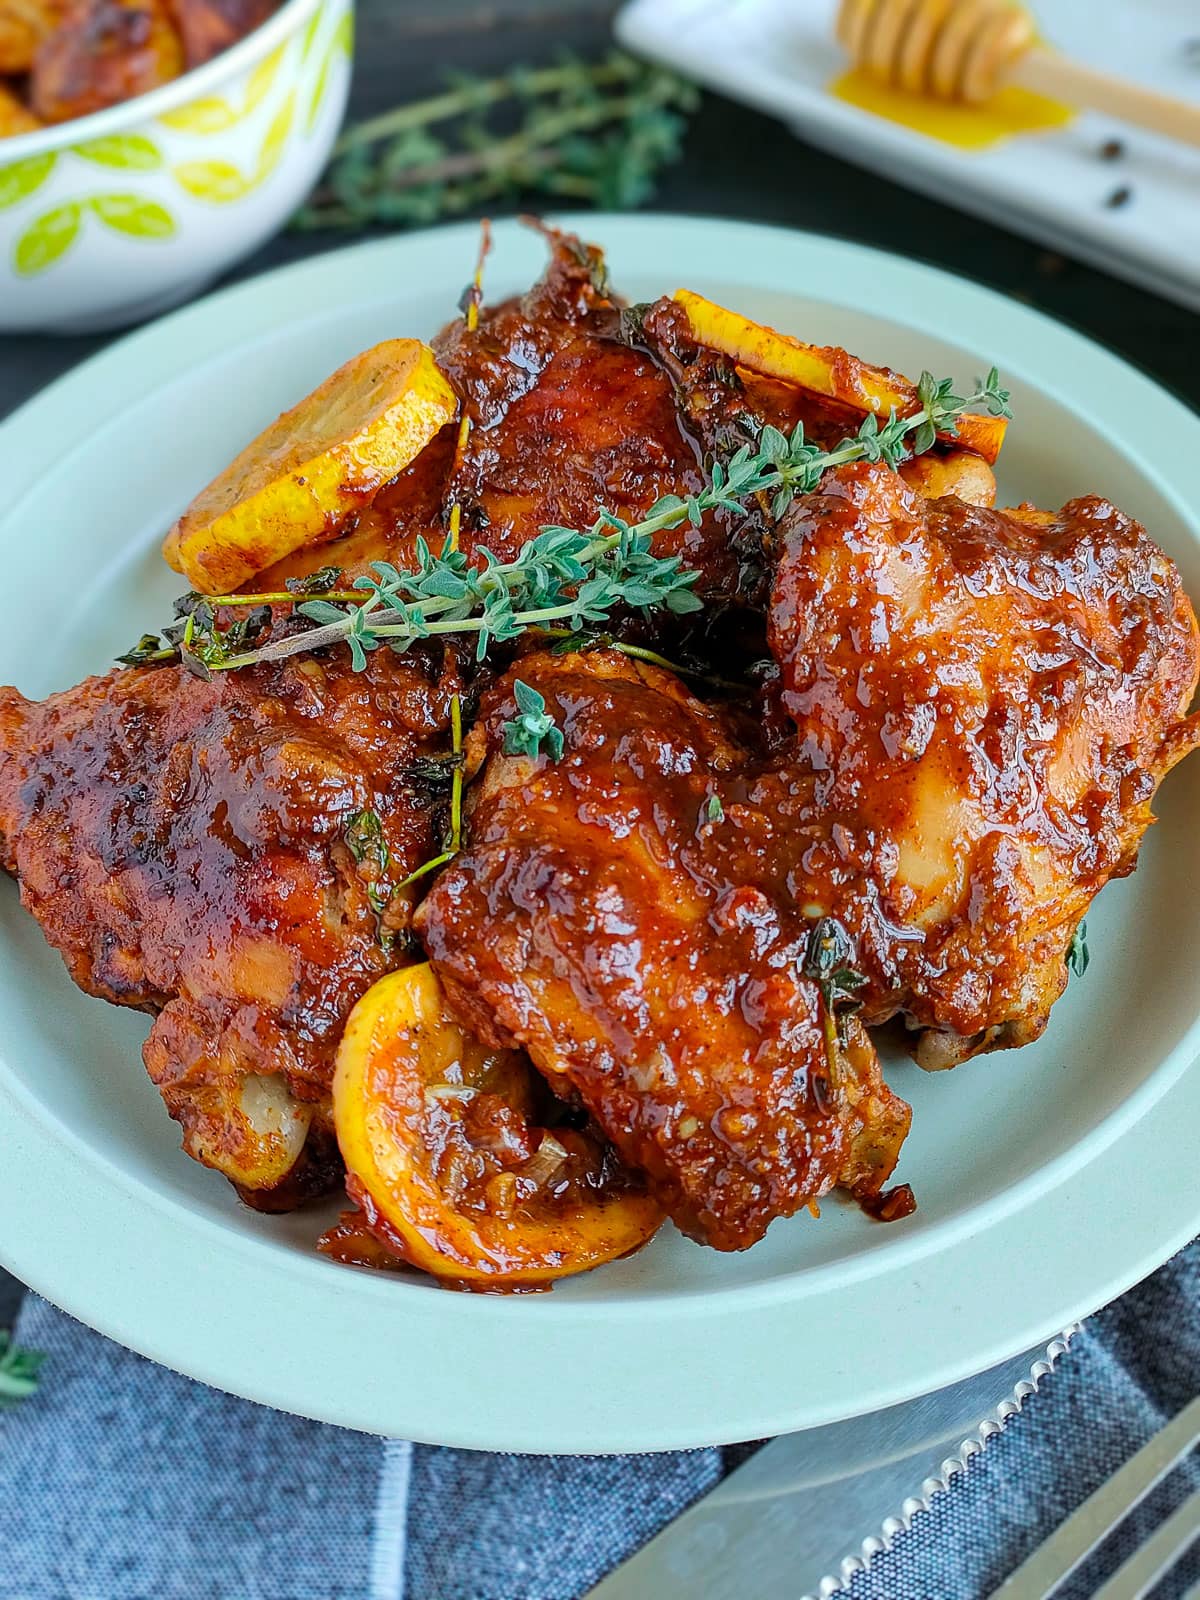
[[987, 701], [221, 854], [567, 416], [605, 918]]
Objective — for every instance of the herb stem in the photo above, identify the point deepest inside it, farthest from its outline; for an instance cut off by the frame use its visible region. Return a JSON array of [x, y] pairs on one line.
[[833, 1060], [509, 576], [282, 597], [425, 868], [456, 781], [534, 146], [477, 96]]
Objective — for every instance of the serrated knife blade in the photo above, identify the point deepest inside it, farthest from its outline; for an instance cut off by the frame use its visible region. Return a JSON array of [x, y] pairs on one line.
[[809, 1509]]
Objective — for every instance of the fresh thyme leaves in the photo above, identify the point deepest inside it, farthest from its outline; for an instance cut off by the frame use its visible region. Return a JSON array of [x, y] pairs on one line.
[[18, 1370], [366, 842], [533, 727], [594, 132], [314, 582], [434, 774], [148, 648], [563, 575], [827, 962], [1078, 955], [787, 465], [714, 811]]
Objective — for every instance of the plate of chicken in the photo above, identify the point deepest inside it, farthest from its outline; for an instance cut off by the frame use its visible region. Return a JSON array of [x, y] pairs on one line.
[[591, 795]]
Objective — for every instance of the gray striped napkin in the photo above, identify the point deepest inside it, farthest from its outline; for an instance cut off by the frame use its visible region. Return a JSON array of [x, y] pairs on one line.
[[121, 1480]]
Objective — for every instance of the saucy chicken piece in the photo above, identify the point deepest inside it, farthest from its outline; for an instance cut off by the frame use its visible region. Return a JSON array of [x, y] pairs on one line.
[[209, 26], [602, 918], [222, 854], [101, 53], [567, 418], [987, 701], [576, 406], [23, 26]]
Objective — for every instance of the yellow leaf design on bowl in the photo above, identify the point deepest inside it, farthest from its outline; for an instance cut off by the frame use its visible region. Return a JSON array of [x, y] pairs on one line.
[[212, 115], [310, 33], [131, 152], [47, 239], [276, 139], [262, 78], [134, 215], [217, 182], [342, 43], [20, 180]]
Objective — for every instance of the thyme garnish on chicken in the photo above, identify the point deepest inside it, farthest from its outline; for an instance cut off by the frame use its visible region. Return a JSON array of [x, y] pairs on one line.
[[367, 844], [533, 727], [1078, 956], [564, 575], [827, 961]]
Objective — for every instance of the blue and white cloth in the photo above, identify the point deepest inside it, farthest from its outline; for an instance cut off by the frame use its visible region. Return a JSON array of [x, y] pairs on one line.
[[120, 1480]]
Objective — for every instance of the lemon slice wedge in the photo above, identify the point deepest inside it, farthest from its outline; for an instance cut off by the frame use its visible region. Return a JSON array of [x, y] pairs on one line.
[[296, 483], [450, 1162], [822, 369]]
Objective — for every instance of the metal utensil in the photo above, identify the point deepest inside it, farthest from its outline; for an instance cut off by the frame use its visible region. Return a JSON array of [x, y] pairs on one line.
[[1085, 1529], [811, 1508]]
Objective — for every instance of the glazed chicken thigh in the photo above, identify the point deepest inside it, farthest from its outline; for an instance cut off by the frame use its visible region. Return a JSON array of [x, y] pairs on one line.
[[605, 918], [215, 853], [987, 701]]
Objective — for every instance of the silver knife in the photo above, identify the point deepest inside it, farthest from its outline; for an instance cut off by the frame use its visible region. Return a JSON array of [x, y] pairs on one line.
[[809, 1509]]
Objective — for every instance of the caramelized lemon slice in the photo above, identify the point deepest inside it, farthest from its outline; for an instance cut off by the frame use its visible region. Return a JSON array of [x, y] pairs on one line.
[[293, 485], [823, 370], [447, 1158]]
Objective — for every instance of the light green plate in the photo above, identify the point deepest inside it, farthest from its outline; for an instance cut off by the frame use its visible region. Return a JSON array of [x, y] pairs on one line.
[[1049, 1179]]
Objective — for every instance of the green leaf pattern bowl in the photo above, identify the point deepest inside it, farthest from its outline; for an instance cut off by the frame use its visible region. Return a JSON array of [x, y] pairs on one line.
[[111, 218]]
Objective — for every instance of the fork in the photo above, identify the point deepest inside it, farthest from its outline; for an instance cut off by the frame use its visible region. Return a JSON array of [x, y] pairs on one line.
[[1038, 1577]]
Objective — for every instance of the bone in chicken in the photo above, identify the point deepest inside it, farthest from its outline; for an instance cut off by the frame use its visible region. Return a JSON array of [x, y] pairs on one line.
[[987, 701], [207, 852], [604, 919]]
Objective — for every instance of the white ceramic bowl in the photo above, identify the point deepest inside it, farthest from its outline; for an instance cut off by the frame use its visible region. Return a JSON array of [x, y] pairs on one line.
[[112, 217]]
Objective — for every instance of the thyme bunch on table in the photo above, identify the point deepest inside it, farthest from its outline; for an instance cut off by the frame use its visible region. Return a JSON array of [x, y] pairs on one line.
[[18, 1370], [592, 133], [563, 576]]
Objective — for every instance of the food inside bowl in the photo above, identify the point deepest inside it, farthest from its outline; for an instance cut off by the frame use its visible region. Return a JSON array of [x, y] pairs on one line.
[[62, 59], [617, 716]]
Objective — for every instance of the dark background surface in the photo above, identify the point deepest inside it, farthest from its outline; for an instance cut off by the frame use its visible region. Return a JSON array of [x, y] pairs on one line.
[[736, 164]]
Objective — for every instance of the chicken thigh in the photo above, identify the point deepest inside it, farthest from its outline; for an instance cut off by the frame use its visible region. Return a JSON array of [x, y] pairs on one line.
[[222, 854], [987, 701], [605, 917]]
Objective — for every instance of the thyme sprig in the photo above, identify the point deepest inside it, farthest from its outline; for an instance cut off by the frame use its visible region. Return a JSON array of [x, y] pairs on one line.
[[19, 1370], [828, 962], [563, 575], [533, 728], [593, 132]]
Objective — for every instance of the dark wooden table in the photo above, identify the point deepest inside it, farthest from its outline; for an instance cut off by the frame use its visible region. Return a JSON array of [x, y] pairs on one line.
[[737, 164]]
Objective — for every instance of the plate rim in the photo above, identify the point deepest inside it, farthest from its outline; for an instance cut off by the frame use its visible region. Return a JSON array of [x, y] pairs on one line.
[[518, 1427]]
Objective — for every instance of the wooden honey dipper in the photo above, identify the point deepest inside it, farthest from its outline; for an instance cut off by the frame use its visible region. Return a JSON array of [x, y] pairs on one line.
[[968, 49]]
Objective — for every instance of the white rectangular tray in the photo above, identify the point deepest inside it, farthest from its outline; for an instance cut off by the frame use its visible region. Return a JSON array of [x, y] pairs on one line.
[[780, 56]]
